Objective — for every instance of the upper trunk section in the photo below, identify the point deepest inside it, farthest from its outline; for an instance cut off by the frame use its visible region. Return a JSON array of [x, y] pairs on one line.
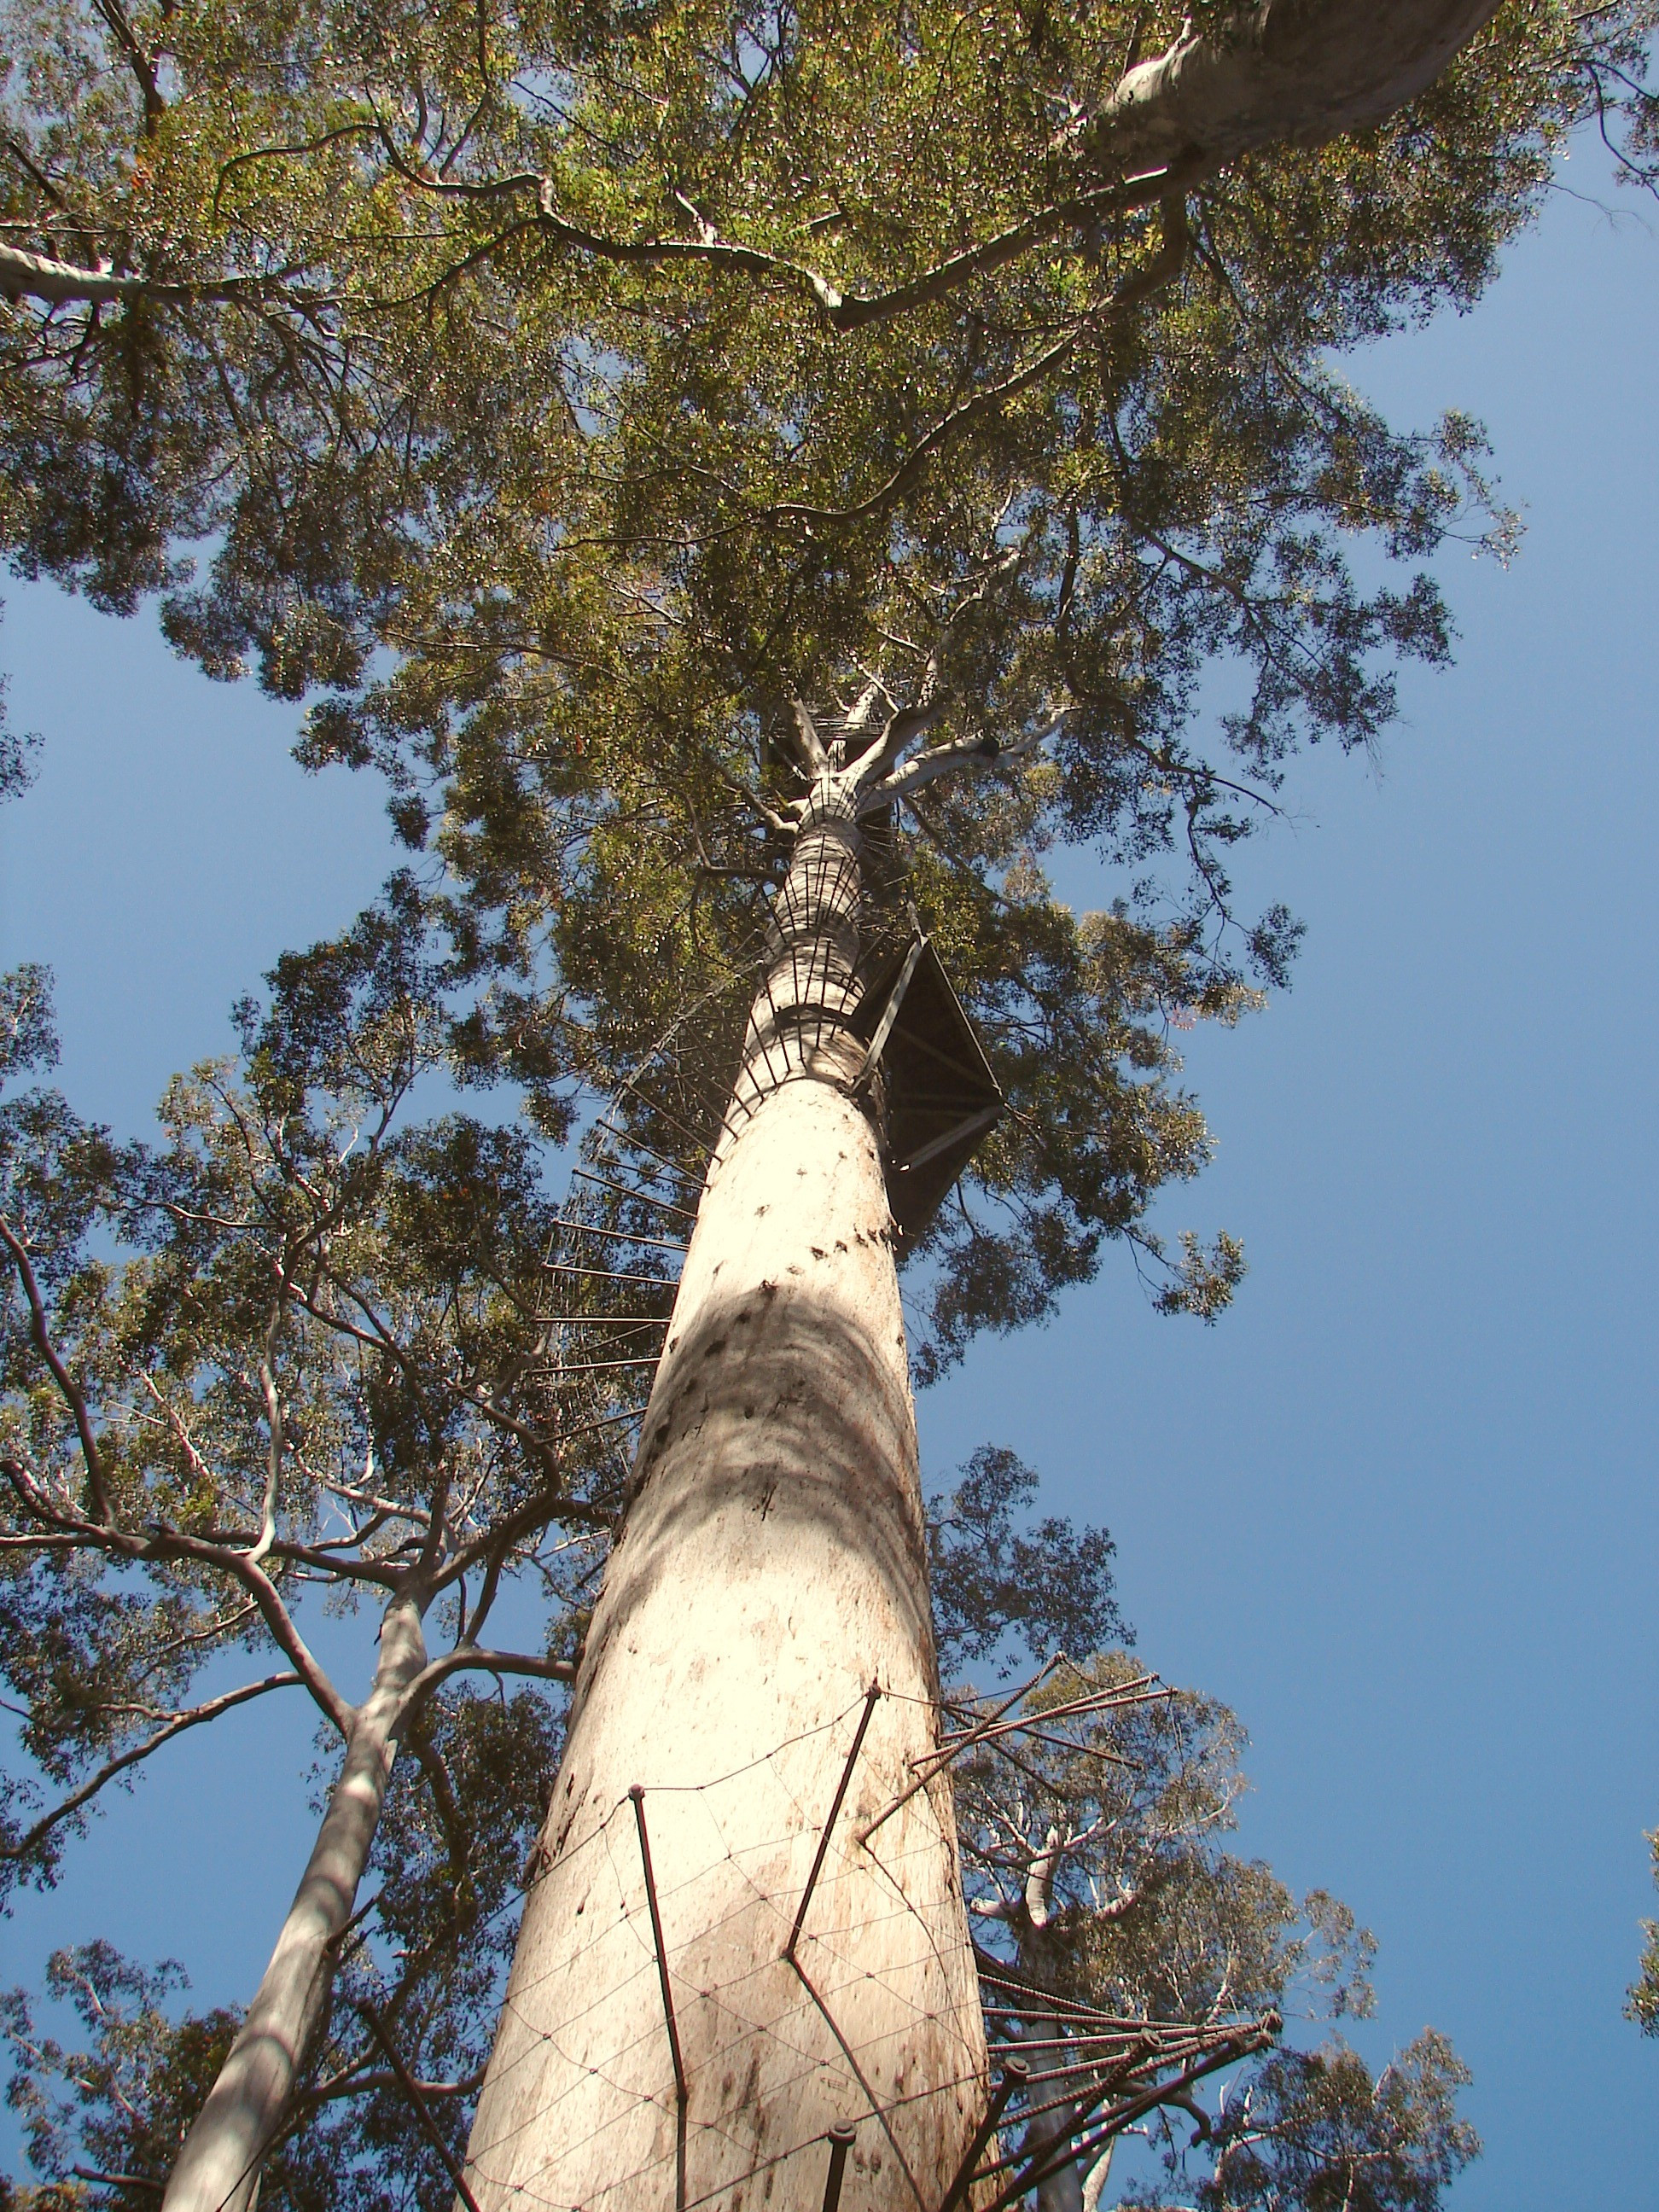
[[801, 1020]]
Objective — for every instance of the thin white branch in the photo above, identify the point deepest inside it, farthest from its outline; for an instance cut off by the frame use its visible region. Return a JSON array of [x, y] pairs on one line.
[[945, 760]]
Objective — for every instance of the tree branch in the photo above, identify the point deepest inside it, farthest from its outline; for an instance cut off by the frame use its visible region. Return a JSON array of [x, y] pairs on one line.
[[1285, 72], [962, 752], [67, 1386], [67, 284], [467, 1658], [107, 1773], [273, 1404]]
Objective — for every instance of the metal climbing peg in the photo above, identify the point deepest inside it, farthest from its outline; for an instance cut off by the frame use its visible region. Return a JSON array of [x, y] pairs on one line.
[[1015, 2075], [840, 2141]]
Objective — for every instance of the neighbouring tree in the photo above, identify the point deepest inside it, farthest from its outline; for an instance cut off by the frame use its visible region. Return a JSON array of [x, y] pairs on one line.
[[1642, 1999], [1317, 2129], [750, 478], [1097, 1872], [299, 1349]]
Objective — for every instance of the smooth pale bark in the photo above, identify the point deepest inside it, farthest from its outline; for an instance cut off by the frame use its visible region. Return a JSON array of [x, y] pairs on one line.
[[58, 283], [772, 1565], [1100, 2173], [218, 2169], [1062, 2192], [24, 276], [1288, 72]]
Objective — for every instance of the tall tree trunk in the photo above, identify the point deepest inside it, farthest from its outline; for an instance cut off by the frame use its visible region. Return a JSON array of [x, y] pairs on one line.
[[1062, 2192], [218, 2169], [772, 1567]]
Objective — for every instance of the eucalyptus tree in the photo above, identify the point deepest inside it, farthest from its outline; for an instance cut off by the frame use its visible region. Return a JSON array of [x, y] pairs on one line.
[[1317, 2128], [297, 1350], [1098, 1876], [1642, 1998], [748, 476]]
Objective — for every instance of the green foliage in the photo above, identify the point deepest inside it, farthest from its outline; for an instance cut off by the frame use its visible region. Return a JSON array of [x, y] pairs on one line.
[[291, 1355], [120, 2107], [1100, 1873], [431, 1958], [552, 400], [994, 1581], [1642, 1999], [1103, 1868], [1152, 1917], [17, 751], [28, 1041], [1315, 2132], [564, 391], [293, 1351]]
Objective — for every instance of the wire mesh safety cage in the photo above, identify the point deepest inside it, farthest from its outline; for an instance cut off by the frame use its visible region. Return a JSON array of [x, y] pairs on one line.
[[620, 1238], [841, 2078]]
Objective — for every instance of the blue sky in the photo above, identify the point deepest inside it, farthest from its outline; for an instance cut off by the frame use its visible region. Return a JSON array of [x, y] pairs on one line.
[[1398, 1507]]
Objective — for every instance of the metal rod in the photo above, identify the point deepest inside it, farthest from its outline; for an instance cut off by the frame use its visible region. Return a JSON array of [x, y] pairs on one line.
[[1126, 2034], [976, 1076], [1030, 2043], [609, 1275], [990, 1970], [840, 2141], [609, 1421], [974, 1126], [604, 1321], [597, 1367], [1060, 1743], [643, 1197], [1013, 2077], [1082, 2113], [870, 1698], [1103, 2061], [638, 1796], [617, 1236], [938, 1760], [638, 1145], [890, 1012], [655, 1106], [1071, 2098], [1138, 1692], [872, 2095], [1080, 2146], [412, 2089]]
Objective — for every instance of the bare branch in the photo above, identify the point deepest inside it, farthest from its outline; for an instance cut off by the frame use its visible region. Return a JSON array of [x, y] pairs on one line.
[[1289, 72], [68, 1388], [956, 419], [67, 284], [274, 1424], [806, 734], [962, 752], [471, 1658], [91, 1788], [359, 2081]]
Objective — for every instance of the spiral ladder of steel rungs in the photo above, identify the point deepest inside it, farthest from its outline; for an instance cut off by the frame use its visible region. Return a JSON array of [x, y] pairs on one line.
[[619, 1239]]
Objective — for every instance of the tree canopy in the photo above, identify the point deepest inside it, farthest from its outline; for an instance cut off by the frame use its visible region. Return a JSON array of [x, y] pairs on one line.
[[552, 397]]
